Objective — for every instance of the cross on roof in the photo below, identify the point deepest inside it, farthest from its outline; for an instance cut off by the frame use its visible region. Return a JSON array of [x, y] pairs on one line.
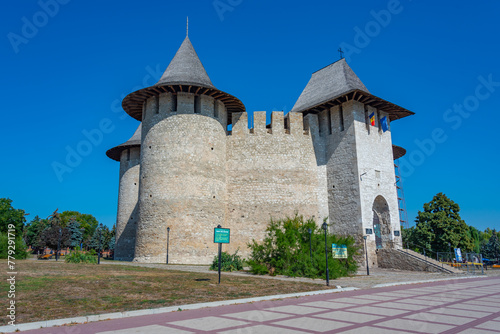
[[341, 53]]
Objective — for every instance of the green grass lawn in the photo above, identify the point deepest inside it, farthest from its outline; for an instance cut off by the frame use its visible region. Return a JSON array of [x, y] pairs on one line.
[[51, 290]]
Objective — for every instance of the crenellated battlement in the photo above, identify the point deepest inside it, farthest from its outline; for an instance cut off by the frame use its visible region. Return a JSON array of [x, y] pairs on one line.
[[289, 124], [196, 164]]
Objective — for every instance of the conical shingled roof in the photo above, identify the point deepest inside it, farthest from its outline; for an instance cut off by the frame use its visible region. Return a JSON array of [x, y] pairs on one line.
[[184, 74], [328, 83], [134, 141], [337, 83], [186, 68]]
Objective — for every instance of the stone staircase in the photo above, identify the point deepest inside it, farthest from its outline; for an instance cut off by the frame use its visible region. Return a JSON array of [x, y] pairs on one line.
[[405, 259]]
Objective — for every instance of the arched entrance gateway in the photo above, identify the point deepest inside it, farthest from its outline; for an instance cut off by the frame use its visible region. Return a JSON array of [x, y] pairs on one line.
[[381, 223]]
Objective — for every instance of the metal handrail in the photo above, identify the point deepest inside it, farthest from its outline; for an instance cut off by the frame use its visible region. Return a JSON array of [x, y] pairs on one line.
[[427, 262]]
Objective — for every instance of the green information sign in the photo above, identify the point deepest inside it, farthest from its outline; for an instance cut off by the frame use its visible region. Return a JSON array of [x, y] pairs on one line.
[[221, 235], [339, 251]]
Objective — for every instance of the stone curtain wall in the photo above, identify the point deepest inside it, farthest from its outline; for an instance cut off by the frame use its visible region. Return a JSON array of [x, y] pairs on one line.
[[270, 173]]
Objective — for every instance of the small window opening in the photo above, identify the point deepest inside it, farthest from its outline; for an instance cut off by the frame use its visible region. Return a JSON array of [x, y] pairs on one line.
[[197, 105], [329, 121], [216, 109], [174, 103], [341, 116]]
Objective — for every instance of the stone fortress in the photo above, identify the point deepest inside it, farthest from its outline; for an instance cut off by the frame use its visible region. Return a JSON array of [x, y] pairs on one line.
[[194, 163]]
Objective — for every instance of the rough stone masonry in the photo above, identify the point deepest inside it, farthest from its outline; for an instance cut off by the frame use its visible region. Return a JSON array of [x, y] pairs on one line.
[[194, 163]]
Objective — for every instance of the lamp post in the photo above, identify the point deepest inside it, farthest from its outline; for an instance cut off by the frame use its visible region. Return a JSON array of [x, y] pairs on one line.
[[58, 243], [168, 236], [220, 254], [99, 252], [366, 254], [325, 226], [310, 248]]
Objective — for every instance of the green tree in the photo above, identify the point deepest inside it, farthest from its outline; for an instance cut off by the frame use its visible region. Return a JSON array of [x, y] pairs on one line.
[[100, 231], [285, 251], [19, 251], [11, 216], [87, 222], [54, 233], [476, 237], [33, 233], [492, 249], [439, 225], [75, 234]]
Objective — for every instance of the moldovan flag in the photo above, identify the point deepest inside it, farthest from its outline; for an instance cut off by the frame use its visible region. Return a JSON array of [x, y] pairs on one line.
[[383, 122], [372, 119]]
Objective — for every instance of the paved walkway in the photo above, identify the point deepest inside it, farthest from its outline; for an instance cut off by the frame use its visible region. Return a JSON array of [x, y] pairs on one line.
[[470, 305]]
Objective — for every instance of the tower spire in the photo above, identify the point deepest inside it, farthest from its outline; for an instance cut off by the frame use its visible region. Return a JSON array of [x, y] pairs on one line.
[[187, 26]]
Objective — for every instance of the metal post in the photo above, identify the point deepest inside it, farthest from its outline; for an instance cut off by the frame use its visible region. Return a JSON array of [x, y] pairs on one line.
[[366, 254], [220, 253], [482, 265], [168, 236], [310, 248], [325, 226], [99, 252], [58, 243]]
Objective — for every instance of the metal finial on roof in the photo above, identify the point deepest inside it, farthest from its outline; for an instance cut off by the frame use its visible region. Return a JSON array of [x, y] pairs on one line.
[[187, 26], [341, 53]]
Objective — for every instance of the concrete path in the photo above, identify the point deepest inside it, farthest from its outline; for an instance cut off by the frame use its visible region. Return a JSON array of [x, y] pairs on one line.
[[470, 305]]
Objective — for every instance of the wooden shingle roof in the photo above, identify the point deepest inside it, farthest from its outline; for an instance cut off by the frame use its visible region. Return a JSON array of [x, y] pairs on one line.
[[134, 141], [337, 83], [185, 73]]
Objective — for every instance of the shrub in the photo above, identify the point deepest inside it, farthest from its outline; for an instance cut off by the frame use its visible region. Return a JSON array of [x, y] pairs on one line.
[[19, 244], [228, 262], [285, 251], [78, 256]]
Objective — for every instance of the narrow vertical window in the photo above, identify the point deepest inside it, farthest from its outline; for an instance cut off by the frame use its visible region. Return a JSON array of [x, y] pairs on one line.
[[329, 113], [174, 102], [197, 105], [216, 109], [378, 121], [128, 154], [341, 116], [157, 99]]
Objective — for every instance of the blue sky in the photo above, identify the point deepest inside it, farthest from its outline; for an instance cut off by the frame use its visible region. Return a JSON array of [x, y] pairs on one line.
[[66, 67]]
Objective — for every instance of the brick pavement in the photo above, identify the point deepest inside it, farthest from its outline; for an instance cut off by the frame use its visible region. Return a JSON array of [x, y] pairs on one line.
[[470, 305]]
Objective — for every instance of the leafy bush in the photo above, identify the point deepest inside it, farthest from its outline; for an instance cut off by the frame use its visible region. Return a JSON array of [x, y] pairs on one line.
[[285, 251], [78, 256], [19, 251], [228, 262]]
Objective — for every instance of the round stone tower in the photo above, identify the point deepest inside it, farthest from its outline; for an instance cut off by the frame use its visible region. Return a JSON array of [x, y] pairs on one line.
[[183, 161], [128, 154]]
